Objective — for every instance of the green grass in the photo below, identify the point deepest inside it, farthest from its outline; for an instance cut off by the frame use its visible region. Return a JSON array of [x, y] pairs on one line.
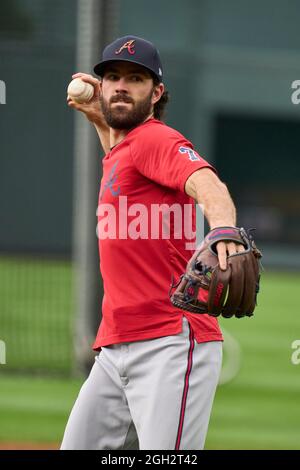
[[36, 309], [259, 409], [35, 409]]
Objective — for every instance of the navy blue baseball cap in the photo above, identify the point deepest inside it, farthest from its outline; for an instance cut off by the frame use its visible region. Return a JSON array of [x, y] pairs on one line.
[[132, 49]]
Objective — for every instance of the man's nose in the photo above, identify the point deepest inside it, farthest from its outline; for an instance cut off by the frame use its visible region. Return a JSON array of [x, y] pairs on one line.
[[121, 85]]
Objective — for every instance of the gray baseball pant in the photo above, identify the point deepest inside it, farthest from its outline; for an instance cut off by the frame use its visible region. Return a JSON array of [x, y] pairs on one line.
[[152, 394]]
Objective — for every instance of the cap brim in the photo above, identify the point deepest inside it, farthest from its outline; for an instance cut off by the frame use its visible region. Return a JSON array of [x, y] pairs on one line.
[[99, 68]]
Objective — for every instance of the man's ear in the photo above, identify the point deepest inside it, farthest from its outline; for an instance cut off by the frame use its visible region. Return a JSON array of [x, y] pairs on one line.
[[157, 93]]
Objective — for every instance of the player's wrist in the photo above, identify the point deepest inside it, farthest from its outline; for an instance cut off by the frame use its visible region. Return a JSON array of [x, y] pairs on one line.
[[221, 224], [97, 119]]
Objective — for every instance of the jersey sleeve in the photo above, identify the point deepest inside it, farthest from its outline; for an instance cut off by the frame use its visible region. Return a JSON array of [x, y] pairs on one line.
[[165, 156]]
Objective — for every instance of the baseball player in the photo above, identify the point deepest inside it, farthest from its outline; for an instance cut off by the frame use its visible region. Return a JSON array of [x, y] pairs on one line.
[[153, 383]]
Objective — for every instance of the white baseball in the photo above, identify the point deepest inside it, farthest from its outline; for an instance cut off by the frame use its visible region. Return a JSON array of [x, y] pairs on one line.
[[80, 91]]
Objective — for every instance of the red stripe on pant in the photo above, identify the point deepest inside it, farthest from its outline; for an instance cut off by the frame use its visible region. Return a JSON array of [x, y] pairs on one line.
[[185, 390]]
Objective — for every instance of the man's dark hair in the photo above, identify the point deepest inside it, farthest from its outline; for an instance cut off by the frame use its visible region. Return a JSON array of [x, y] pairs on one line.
[[159, 107]]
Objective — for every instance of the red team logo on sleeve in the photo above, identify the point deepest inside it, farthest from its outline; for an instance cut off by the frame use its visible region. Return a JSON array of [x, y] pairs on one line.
[[193, 156]]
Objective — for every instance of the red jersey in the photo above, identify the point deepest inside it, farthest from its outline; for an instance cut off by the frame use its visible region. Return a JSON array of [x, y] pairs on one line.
[[146, 231]]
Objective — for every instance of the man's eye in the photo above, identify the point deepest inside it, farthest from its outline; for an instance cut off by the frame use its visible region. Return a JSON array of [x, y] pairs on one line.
[[112, 76], [136, 78]]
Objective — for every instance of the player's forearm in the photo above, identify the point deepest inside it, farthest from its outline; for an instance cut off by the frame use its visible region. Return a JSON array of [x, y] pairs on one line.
[[218, 206], [103, 133], [206, 188]]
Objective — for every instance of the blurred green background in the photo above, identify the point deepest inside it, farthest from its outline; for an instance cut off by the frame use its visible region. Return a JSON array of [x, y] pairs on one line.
[[231, 95]]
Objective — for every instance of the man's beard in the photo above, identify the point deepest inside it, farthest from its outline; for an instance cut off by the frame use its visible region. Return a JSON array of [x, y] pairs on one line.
[[119, 117]]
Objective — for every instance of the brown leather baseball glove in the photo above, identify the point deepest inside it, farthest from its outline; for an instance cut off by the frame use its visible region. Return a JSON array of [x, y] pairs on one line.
[[205, 288]]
